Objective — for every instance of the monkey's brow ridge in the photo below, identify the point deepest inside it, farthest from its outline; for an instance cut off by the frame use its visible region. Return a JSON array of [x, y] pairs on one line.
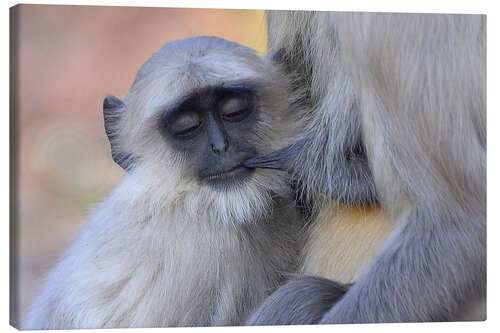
[[249, 88]]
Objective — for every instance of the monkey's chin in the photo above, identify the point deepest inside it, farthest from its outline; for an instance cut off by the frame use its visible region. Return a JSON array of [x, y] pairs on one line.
[[225, 181], [249, 197]]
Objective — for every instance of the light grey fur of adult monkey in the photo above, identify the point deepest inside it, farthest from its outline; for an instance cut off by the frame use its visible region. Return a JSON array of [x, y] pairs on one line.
[[164, 248], [412, 89]]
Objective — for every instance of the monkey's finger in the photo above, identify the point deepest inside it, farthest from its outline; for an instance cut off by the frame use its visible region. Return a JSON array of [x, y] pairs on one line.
[[278, 159]]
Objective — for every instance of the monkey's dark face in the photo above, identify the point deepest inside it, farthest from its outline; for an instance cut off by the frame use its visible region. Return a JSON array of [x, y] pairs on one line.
[[213, 127]]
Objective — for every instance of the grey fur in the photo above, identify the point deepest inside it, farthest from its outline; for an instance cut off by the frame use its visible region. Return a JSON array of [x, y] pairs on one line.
[[350, 171], [333, 136], [302, 301], [164, 249], [413, 88]]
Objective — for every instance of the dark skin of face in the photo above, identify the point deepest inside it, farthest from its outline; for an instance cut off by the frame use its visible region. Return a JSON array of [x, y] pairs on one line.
[[212, 126]]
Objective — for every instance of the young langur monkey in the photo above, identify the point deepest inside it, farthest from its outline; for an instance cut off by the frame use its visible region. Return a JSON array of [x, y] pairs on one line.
[[393, 155], [189, 237]]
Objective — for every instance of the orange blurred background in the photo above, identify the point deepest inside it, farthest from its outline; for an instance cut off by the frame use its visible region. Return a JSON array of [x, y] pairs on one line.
[[67, 59]]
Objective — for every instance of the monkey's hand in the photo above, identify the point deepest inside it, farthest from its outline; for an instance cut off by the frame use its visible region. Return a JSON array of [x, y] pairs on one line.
[[278, 159], [299, 302], [348, 178]]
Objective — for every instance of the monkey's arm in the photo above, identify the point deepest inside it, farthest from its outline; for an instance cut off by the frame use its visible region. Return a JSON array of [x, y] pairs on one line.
[[428, 272], [348, 179], [421, 275], [302, 301], [329, 160]]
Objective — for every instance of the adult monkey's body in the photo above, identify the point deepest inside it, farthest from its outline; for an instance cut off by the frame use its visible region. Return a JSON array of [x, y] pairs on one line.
[[395, 114]]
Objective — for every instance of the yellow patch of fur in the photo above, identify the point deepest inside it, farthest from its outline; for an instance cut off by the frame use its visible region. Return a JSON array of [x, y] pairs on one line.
[[343, 241]]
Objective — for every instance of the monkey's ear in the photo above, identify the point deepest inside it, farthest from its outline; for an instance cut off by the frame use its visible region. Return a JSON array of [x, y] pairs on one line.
[[112, 109]]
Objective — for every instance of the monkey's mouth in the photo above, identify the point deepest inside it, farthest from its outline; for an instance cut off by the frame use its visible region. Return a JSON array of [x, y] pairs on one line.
[[228, 178]]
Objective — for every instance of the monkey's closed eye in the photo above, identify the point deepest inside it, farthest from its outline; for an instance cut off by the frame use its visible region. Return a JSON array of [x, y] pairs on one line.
[[186, 126], [236, 109]]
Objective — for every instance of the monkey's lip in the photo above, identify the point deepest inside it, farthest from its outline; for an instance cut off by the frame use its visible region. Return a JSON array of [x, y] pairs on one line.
[[236, 172]]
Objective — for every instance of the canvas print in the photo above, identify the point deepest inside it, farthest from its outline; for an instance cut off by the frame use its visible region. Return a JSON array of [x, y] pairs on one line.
[[199, 167]]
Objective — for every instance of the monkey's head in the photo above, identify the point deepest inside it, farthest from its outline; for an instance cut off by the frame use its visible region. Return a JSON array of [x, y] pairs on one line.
[[199, 108]]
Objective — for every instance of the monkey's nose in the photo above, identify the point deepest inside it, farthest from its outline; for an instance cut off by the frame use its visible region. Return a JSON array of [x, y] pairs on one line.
[[220, 146]]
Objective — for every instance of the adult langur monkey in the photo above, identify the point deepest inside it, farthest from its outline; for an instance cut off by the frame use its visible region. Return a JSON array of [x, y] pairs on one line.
[[189, 237], [395, 123]]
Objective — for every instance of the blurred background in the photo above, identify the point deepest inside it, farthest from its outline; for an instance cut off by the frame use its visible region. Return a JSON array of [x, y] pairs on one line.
[[65, 59]]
